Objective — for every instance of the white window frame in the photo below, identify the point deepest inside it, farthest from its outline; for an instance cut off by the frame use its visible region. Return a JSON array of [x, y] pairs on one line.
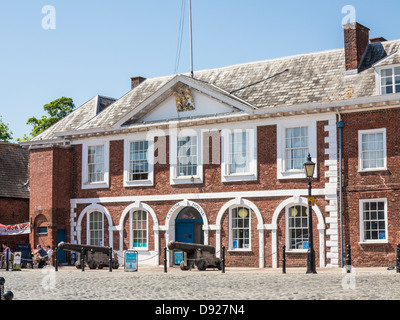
[[378, 78], [360, 151], [225, 155], [287, 212], [361, 218], [131, 242], [100, 184], [88, 226], [173, 150], [230, 229], [150, 161], [282, 173]]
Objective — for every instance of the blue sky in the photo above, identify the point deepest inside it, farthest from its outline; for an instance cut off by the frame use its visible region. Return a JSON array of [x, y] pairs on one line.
[[98, 45]]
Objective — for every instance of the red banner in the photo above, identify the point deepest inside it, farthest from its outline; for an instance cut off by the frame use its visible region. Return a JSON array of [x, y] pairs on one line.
[[15, 229]]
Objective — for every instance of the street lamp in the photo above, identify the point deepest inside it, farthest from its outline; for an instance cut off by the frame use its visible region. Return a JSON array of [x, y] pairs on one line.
[[309, 168]]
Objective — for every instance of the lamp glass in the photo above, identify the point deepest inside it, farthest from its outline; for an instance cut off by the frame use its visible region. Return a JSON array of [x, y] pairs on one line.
[[309, 168]]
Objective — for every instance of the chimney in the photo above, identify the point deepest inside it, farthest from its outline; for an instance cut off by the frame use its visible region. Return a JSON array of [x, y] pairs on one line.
[[356, 41], [135, 81], [377, 40]]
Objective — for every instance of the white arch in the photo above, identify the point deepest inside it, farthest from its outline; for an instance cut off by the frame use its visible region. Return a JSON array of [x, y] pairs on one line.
[[260, 225], [139, 206], [91, 208], [274, 227], [170, 222], [173, 212]]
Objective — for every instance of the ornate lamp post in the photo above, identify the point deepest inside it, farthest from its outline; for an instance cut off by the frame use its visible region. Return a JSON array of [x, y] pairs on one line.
[[309, 168]]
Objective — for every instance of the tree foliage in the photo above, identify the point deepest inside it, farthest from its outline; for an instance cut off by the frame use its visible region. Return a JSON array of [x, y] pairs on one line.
[[5, 132], [56, 110]]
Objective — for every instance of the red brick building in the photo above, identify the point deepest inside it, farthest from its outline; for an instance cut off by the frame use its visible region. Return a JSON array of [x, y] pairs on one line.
[[218, 159], [14, 193]]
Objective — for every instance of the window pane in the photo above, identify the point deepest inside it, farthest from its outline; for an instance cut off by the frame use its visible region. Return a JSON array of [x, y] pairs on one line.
[[187, 156], [298, 227], [240, 228], [138, 164], [95, 228], [239, 153], [374, 220], [372, 150], [139, 228], [387, 73], [95, 163], [296, 142]]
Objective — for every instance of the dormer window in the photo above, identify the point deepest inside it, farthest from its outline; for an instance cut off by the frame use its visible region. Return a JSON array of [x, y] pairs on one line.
[[390, 80]]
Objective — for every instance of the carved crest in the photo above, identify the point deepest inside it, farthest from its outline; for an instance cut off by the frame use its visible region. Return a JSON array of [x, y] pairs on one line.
[[184, 100]]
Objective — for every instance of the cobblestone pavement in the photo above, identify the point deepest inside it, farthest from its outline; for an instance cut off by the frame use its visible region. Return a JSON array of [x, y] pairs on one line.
[[149, 283]]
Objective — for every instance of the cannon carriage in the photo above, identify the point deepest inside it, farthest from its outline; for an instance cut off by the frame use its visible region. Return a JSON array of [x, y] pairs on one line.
[[94, 256], [199, 255]]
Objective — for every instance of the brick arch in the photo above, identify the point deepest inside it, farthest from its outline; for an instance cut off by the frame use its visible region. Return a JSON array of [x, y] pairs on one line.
[[149, 210], [39, 221], [274, 227], [260, 224]]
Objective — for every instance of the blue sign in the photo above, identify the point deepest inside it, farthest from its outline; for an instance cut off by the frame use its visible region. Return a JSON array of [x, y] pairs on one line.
[[131, 260], [234, 244], [305, 245], [178, 258], [382, 235]]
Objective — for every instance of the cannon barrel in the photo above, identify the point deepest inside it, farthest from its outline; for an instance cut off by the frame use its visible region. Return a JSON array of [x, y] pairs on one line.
[[78, 247], [190, 247]]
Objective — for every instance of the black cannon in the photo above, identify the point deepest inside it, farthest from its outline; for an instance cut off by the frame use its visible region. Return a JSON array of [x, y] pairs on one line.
[[94, 256], [199, 255]]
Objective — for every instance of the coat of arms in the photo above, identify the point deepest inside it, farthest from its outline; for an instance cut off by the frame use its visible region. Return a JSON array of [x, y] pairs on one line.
[[184, 100]]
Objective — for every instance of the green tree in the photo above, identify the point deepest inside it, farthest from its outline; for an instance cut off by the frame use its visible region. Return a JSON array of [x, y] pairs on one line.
[[56, 110], [5, 133]]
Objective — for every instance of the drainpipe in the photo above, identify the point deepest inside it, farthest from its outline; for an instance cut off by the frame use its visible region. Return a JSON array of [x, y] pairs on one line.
[[340, 124]]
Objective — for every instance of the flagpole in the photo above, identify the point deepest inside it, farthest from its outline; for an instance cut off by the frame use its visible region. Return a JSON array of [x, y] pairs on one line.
[[191, 39]]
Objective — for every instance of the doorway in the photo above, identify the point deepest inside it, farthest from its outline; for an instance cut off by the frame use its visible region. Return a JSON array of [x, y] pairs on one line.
[[61, 237], [189, 226]]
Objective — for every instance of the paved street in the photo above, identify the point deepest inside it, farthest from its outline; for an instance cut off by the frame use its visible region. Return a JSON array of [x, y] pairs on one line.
[[148, 283]]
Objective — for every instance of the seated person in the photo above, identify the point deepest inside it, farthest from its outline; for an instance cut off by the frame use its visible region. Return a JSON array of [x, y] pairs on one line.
[[41, 257], [49, 252], [3, 254]]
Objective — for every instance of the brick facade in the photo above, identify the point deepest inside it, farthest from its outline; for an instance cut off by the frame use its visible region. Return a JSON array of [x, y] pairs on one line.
[[371, 185], [56, 175], [312, 91]]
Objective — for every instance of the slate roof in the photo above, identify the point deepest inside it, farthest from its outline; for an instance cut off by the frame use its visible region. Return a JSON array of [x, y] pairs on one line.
[[13, 171], [77, 118], [306, 78]]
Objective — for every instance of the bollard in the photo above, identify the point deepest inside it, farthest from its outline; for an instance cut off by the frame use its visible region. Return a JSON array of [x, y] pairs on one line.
[[223, 259], [56, 258], [83, 259], [165, 260], [5, 296], [348, 259], [110, 260], [8, 259], [8, 295], [284, 259], [398, 259], [2, 281]]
